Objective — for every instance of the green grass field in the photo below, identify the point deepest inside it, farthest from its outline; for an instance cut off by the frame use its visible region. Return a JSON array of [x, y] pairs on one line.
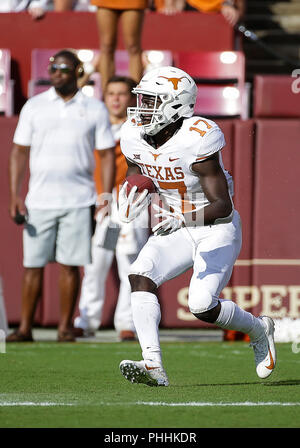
[[212, 384]]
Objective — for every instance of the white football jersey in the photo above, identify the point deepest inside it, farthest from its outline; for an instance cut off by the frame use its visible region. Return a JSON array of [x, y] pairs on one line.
[[170, 166]]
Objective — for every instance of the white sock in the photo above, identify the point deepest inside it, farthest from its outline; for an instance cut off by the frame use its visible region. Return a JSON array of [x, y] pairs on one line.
[[146, 317], [232, 317]]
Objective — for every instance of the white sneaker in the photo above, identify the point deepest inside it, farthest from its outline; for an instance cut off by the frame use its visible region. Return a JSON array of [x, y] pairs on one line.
[[145, 372], [264, 349]]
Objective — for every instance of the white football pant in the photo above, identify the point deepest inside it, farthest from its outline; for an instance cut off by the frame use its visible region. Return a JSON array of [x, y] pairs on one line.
[[210, 250]]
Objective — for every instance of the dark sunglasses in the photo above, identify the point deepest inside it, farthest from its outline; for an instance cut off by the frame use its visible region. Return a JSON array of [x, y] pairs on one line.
[[64, 68]]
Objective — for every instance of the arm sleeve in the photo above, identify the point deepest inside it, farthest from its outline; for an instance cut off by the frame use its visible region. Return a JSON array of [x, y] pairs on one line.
[[23, 132], [104, 138]]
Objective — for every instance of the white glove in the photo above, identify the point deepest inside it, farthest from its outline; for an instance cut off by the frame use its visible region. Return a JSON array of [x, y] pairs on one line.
[[129, 207], [172, 221]]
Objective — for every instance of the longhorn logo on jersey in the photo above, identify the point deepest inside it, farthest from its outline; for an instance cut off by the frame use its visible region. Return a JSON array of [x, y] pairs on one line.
[[155, 155]]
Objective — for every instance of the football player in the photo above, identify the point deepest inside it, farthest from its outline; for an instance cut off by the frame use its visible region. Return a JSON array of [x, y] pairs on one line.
[[197, 226]]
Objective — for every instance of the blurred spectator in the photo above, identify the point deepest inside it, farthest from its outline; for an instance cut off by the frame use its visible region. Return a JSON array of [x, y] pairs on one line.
[[36, 8], [232, 10], [169, 7], [111, 236], [109, 14], [58, 131], [75, 5]]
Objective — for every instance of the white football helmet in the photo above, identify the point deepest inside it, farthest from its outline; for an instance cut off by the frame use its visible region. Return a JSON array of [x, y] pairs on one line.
[[176, 91]]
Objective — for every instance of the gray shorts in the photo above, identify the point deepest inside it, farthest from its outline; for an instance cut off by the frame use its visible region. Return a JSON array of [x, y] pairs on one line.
[[57, 235]]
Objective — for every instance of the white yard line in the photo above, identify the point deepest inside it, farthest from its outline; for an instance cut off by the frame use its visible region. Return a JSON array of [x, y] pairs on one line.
[[31, 403], [212, 404], [154, 403]]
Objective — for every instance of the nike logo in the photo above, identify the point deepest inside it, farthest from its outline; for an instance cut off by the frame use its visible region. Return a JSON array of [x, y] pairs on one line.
[[150, 368], [271, 366], [173, 160]]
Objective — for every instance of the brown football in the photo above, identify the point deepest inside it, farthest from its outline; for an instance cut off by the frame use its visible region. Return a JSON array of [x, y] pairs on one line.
[[142, 183]]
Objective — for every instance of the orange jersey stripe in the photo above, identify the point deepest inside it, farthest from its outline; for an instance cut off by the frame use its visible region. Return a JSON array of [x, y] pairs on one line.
[[120, 4], [201, 158], [121, 169]]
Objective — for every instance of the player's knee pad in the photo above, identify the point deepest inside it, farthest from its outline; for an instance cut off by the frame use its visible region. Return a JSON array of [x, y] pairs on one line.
[[201, 301]]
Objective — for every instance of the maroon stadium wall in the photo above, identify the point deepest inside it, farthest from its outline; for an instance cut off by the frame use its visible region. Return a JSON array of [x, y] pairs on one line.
[[186, 31]]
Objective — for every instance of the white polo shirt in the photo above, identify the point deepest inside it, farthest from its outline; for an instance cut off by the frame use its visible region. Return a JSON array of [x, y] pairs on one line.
[[62, 137]]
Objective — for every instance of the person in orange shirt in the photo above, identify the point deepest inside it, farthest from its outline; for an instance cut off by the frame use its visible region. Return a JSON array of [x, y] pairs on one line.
[[131, 14], [232, 10], [111, 237]]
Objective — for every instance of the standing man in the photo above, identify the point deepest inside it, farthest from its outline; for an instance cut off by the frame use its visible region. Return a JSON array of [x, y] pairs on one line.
[[58, 131], [112, 237], [198, 226]]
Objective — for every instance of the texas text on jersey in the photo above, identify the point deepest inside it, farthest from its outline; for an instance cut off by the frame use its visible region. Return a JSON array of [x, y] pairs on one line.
[[170, 166]]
